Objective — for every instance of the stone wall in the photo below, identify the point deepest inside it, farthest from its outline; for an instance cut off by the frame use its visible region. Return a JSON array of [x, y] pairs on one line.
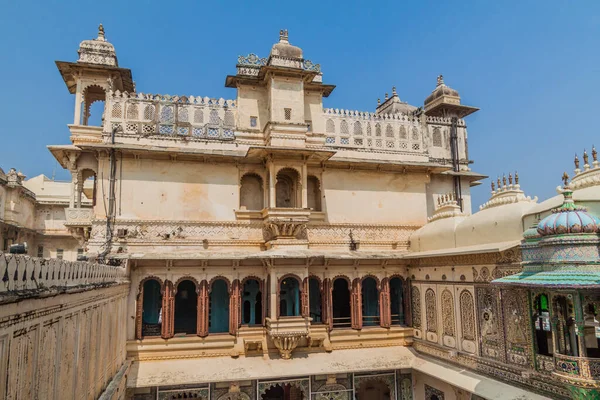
[[62, 328]]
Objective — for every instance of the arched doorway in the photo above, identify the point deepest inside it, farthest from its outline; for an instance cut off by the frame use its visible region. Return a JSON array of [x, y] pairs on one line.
[[341, 303], [314, 300], [373, 389], [541, 320], [283, 391], [186, 308], [396, 301], [151, 308], [287, 193], [289, 297], [370, 302], [218, 314], [251, 303]]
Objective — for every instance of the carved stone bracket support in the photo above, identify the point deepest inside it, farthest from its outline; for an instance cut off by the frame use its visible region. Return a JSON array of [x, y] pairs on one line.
[[286, 342]]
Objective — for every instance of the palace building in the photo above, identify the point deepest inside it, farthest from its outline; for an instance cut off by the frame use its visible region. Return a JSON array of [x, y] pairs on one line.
[[266, 247]]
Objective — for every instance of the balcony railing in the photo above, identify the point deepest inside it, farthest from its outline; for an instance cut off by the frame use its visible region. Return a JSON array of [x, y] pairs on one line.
[[577, 367], [79, 217], [164, 116]]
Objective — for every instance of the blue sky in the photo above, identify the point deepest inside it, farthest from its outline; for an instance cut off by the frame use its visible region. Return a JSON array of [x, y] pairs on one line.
[[533, 67]]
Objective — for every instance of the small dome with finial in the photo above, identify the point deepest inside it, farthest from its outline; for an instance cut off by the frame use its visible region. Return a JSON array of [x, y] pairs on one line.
[[98, 51], [283, 48], [441, 89], [568, 218]]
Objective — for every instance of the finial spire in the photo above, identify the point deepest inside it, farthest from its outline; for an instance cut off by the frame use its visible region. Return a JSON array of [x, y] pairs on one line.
[[394, 91], [493, 187], [499, 184], [101, 33], [594, 154], [503, 180], [585, 158], [510, 178], [378, 102], [386, 96], [565, 178], [576, 161], [516, 178], [283, 36], [440, 80]]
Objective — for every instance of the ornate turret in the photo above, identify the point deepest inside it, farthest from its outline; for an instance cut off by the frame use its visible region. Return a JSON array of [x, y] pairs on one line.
[[445, 102], [284, 49], [393, 105], [98, 51]]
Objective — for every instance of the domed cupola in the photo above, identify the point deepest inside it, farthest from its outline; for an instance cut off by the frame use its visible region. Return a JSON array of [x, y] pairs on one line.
[[442, 90], [568, 218], [98, 51], [284, 49]]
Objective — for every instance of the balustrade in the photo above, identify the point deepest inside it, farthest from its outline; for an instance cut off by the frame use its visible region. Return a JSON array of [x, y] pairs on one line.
[[578, 367], [24, 273], [80, 217], [192, 117], [357, 129]]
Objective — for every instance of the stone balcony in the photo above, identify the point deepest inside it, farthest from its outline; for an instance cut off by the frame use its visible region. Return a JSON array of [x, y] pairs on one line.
[[79, 221], [85, 134]]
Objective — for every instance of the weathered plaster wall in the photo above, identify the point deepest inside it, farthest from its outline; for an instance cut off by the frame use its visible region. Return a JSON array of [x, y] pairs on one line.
[[63, 347], [420, 381], [172, 190], [375, 198], [252, 101], [286, 93]]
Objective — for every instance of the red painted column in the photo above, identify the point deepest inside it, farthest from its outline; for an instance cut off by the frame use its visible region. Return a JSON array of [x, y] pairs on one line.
[[356, 304], [168, 311], [385, 315], [234, 307], [305, 311], [139, 307], [202, 319], [326, 300]]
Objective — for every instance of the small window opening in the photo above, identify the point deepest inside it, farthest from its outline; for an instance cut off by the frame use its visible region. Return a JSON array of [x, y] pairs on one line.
[[287, 113]]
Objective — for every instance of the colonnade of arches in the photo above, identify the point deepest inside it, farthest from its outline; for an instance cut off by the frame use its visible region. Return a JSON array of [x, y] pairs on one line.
[[288, 191], [189, 307]]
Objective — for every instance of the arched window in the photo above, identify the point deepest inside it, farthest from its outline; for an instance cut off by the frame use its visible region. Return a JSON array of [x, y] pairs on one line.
[[396, 301], [151, 308], [314, 193], [467, 315], [166, 114], [403, 133], [377, 129], [213, 117], [567, 339], [437, 137], [341, 303], [368, 129], [447, 304], [182, 114], [330, 126], [251, 192], [229, 119], [186, 308], [218, 308], [415, 133], [389, 131], [149, 112], [358, 128], [416, 307], [344, 128], [132, 111], [289, 297], [252, 303], [286, 189], [370, 302], [198, 116], [314, 300], [541, 321]]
